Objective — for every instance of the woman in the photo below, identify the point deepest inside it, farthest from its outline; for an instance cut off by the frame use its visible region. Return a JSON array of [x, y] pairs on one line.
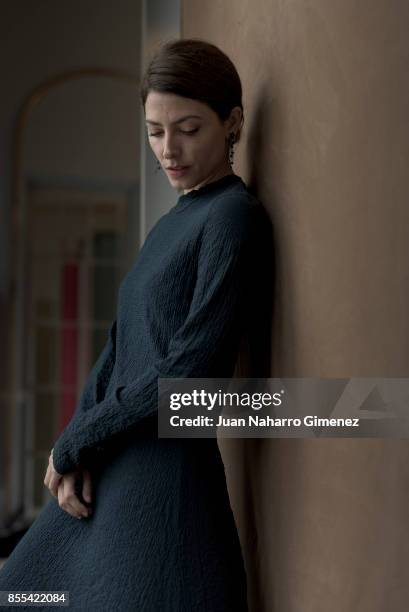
[[159, 533]]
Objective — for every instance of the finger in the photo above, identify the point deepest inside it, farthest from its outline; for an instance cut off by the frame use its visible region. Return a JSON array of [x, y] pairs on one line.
[[72, 497], [64, 505], [49, 483], [48, 472], [60, 494], [87, 486], [67, 504], [47, 476], [54, 481], [51, 463]]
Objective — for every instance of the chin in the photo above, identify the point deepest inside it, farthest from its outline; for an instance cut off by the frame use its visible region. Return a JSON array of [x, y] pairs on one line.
[[182, 182]]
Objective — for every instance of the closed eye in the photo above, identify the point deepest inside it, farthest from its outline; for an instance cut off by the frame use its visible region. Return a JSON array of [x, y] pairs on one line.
[[183, 132]]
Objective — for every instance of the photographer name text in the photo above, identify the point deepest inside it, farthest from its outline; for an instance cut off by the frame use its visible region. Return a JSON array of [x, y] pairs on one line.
[[261, 421]]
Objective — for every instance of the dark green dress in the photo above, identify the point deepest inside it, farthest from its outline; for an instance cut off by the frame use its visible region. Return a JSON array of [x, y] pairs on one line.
[[162, 537]]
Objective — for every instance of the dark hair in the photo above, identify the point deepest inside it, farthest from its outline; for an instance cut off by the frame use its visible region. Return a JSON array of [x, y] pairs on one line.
[[196, 69]]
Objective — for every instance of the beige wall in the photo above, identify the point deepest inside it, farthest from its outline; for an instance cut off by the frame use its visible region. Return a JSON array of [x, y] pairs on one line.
[[324, 523]]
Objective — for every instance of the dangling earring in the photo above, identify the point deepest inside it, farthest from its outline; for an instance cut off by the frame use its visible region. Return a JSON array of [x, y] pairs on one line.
[[158, 166], [232, 139]]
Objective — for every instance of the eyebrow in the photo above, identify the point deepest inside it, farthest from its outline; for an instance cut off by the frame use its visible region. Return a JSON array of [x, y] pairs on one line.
[[177, 121]]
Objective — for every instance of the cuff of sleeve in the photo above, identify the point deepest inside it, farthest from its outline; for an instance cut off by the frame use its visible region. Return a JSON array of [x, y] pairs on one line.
[[62, 459], [66, 455]]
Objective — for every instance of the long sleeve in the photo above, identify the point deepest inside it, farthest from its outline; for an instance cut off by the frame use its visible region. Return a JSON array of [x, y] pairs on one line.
[[95, 386], [204, 346]]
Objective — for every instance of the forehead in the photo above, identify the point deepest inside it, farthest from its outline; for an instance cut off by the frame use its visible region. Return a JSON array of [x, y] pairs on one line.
[[168, 108]]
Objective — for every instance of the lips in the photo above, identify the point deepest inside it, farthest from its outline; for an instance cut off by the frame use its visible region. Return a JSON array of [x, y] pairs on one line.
[[177, 171]]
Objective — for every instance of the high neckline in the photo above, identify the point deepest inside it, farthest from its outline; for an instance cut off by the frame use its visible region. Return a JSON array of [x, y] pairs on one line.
[[186, 198]]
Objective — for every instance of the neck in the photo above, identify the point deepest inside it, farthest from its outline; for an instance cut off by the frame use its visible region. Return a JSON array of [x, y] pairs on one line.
[[211, 178]]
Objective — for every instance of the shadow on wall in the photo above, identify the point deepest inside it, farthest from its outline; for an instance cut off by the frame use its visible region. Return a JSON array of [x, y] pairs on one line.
[[244, 457], [265, 170]]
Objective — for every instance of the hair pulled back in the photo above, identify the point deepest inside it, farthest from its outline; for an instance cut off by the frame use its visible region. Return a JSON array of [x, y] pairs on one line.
[[194, 68]]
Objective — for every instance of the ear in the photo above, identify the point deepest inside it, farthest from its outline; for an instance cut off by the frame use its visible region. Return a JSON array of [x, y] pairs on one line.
[[235, 120]]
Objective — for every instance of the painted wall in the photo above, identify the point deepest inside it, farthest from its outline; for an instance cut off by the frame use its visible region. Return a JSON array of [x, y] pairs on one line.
[[325, 146]]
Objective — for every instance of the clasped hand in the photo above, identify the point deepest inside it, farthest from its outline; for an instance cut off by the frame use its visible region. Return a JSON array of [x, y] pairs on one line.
[[62, 486]]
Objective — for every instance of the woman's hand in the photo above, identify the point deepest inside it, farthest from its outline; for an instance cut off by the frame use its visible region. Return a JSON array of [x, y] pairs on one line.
[[52, 478], [68, 499], [63, 488]]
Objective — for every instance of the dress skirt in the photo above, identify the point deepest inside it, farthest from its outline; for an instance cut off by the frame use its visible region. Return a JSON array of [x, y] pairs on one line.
[[162, 536]]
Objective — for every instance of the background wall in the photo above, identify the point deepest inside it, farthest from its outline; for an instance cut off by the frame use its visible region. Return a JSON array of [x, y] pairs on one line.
[[41, 39], [325, 146], [160, 22], [85, 132]]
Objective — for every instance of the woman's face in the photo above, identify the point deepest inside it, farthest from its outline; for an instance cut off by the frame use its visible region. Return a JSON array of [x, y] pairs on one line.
[[188, 134]]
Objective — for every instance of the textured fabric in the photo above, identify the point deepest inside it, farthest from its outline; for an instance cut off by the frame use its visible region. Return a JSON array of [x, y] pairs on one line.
[[162, 536]]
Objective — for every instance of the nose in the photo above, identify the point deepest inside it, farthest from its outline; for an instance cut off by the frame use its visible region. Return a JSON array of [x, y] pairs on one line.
[[169, 147]]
